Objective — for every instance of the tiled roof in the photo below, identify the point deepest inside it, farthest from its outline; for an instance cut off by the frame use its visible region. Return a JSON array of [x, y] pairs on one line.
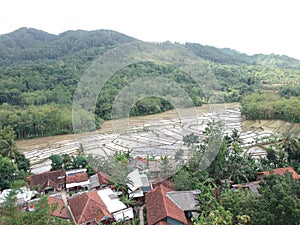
[[77, 178], [159, 206], [141, 159], [103, 178], [163, 223], [88, 207], [282, 171], [166, 182], [50, 178], [61, 210]]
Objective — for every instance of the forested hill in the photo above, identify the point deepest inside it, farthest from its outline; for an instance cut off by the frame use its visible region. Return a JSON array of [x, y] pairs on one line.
[[230, 56], [39, 73], [28, 44]]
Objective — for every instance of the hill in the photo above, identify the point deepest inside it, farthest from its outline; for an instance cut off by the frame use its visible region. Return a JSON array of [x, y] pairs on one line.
[[28, 44], [39, 73], [231, 56]]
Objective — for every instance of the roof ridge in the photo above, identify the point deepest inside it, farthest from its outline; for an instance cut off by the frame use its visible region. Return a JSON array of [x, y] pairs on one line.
[[86, 203], [173, 201]]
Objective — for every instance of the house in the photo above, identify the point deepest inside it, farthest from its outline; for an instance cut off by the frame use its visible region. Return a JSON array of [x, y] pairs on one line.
[[94, 207], [23, 195], [88, 208], [50, 181], [99, 180], [114, 206], [138, 184], [61, 210], [186, 201], [251, 186], [138, 163], [161, 209], [279, 171], [155, 168], [77, 179]]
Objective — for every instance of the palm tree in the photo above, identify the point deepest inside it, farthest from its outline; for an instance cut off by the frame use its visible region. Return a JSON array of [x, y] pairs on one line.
[[8, 146], [290, 143]]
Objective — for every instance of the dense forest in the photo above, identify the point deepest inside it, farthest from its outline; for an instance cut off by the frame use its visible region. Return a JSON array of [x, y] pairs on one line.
[[39, 73]]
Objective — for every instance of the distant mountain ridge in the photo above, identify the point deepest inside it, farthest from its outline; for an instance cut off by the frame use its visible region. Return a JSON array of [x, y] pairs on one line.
[[231, 56], [29, 44]]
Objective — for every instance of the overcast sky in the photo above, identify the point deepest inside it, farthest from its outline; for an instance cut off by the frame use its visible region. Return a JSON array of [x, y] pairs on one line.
[[250, 26]]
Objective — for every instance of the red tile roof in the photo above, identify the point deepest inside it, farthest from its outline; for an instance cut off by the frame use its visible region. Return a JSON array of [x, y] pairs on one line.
[[141, 159], [282, 171], [103, 178], [61, 210], [162, 223], [159, 206], [88, 207], [50, 178], [166, 182], [77, 178]]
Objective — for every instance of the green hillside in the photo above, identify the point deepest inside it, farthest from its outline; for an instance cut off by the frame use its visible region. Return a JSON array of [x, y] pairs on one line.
[[39, 73]]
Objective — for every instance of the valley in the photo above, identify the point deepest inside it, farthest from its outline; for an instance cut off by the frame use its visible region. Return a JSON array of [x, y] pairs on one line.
[[157, 135]]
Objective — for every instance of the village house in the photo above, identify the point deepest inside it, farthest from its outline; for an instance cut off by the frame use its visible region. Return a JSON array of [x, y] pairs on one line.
[[99, 180], [77, 179], [138, 185], [139, 163], [61, 210], [254, 185], [165, 206], [23, 195], [279, 171], [47, 182], [94, 207]]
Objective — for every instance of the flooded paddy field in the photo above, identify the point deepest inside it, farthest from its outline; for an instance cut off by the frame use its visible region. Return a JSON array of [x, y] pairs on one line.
[[156, 135]]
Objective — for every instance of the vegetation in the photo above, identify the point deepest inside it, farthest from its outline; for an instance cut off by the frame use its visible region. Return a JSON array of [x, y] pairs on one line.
[[12, 215], [13, 164], [278, 201], [270, 106], [39, 73]]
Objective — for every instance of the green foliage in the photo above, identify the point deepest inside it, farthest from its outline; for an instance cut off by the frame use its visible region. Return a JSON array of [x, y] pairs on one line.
[[39, 73], [218, 216], [166, 169], [278, 202], [183, 180], [270, 106], [116, 169], [68, 162], [190, 139], [56, 162], [8, 146], [12, 214], [8, 172]]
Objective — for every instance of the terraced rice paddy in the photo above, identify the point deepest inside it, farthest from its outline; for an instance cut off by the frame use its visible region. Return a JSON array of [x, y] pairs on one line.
[[155, 135]]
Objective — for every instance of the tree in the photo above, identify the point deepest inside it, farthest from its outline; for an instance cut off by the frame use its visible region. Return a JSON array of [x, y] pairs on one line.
[[183, 180], [8, 146], [22, 162], [178, 155], [8, 172], [166, 169], [56, 162], [190, 139], [291, 144], [278, 202], [11, 214]]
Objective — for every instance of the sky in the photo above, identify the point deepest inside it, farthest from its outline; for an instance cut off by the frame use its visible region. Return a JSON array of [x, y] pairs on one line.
[[249, 26]]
